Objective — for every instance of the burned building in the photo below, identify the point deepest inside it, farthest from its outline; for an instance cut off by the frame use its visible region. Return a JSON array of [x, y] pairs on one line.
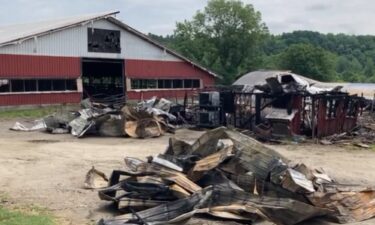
[[65, 60], [280, 103]]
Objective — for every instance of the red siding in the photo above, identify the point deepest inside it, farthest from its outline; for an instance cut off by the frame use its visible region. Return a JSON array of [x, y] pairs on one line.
[[39, 98], [26, 66], [340, 123], [148, 69], [165, 69]]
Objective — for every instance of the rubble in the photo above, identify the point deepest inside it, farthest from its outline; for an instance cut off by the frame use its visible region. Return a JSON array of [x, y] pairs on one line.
[[95, 179], [36, 125], [142, 122], [148, 119], [282, 105], [231, 176]]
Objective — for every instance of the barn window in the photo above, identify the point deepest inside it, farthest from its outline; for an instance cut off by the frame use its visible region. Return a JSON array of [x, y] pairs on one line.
[[135, 84], [18, 86], [31, 85], [144, 84], [196, 83], [43, 85], [178, 84], [167, 84], [71, 85], [164, 83], [188, 83], [152, 84], [58, 85], [35, 85], [101, 40], [4, 85], [161, 84], [192, 83], [331, 107]]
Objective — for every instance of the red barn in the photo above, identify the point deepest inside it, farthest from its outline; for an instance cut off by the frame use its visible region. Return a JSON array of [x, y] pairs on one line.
[[63, 61]]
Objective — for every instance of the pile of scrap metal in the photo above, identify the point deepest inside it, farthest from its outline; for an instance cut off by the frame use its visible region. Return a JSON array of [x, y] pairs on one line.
[[287, 105], [148, 119], [229, 175]]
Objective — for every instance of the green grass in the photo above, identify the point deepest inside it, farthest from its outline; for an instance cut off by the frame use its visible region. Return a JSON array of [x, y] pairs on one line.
[[23, 215], [31, 216], [34, 113]]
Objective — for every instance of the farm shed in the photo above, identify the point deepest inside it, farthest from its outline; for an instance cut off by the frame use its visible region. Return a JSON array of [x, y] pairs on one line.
[[65, 60], [291, 105]]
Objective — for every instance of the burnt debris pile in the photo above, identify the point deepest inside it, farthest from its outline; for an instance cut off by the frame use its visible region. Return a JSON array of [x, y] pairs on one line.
[[231, 176], [151, 118]]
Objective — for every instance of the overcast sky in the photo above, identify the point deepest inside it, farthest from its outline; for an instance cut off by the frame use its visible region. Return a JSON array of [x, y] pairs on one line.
[[160, 16]]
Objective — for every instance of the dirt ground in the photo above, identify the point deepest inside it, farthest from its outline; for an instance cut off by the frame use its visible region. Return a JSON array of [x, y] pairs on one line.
[[49, 170]]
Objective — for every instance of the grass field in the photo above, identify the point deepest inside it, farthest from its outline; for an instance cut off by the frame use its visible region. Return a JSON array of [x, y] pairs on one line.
[[30, 217], [28, 113], [33, 113]]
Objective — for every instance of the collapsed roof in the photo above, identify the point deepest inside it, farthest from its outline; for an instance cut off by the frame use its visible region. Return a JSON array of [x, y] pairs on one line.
[[259, 78], [278, 81]]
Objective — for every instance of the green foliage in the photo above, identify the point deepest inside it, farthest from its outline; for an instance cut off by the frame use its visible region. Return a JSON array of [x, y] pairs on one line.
[[165, 40], [35, 217], [308, 60], [224, 37], [352, 56], [230, 38]]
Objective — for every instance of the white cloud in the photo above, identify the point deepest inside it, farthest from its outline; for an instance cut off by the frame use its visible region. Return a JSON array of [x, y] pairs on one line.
[[160, 16], [327, 16]]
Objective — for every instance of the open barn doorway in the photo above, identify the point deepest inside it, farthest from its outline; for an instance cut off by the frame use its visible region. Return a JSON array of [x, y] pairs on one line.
[[103, 78]]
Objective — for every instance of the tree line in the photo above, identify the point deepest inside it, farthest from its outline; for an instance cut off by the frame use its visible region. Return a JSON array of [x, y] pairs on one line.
[[230, 38]]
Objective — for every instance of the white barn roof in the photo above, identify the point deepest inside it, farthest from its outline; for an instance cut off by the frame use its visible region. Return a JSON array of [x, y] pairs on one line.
[[16, 34], [21, 32]]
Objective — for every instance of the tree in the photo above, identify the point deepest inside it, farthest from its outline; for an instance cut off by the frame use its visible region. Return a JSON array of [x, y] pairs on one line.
[[224, 37], [309, 61], [369, 69], [229, 38]]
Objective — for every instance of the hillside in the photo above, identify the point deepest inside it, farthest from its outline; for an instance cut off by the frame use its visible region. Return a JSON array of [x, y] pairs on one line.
[[348, 57]]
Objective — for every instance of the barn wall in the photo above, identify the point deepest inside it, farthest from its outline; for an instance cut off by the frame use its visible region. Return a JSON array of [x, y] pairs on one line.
[[73, 43], [25, 66], [151, 68], [58, 55], [148, 69]]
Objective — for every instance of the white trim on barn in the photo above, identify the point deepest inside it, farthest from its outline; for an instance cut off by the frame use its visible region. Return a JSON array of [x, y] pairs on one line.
[[73, 42]]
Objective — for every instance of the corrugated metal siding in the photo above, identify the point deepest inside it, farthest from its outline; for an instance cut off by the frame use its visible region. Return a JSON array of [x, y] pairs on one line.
[[23, 66], [73, 43], [162, 69], [148, 69], [39, 98], [340, 123]]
